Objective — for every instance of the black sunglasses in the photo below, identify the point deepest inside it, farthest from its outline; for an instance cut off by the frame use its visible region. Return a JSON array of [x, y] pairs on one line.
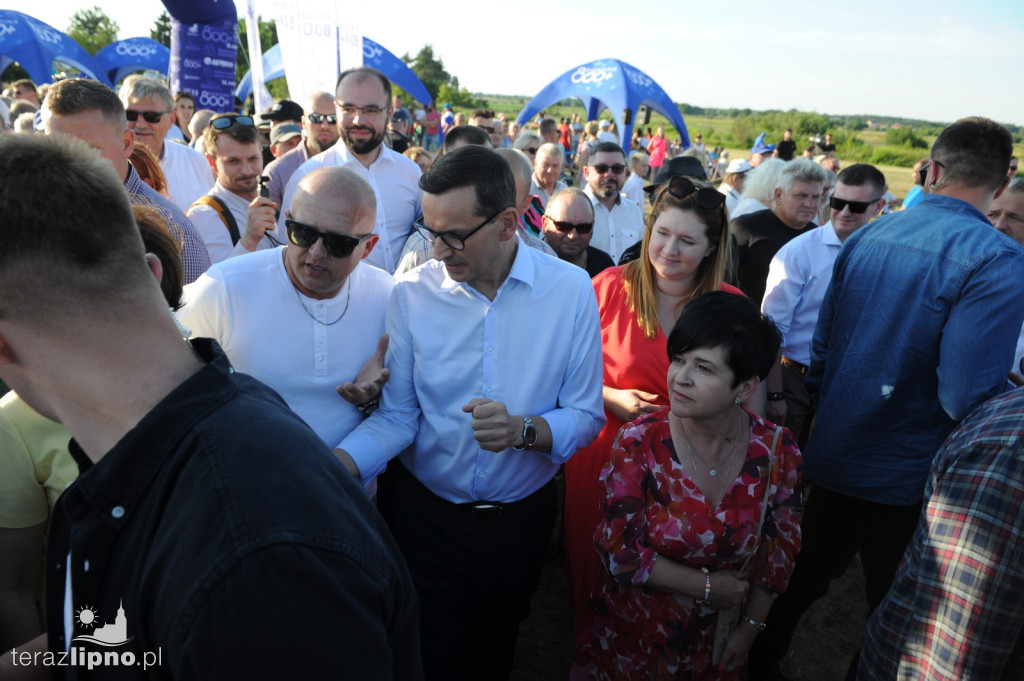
[[456, 242], [226, 121], [336, 245], [856, 207], [563, 226], [681, 186], [149, 116], [602, 168], [320, 118], [531, 150]]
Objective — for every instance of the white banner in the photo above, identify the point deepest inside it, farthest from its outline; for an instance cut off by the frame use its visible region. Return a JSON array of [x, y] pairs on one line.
[[261, 96], [314, 49]]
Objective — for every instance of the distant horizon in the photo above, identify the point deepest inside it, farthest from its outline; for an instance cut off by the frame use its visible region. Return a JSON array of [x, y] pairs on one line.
[[935, 65]]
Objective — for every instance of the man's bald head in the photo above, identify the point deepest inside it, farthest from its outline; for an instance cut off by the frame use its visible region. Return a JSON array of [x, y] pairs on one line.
[[339, 189], [522, 170]]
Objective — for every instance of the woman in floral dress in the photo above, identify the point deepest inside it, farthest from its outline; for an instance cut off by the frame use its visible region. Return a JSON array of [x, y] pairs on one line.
[[701, 511]]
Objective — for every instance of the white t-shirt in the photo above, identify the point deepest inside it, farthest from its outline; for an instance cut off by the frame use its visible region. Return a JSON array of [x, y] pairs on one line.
[[188, 174]]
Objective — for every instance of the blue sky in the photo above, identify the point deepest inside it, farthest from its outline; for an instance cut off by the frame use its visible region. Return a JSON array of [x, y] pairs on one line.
[[937, 61]]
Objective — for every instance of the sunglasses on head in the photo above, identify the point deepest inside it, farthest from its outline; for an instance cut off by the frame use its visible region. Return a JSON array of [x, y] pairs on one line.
[[580, 227], [320, 118], [857, 207], [681, 187], [602, 168], [149, 116], [225, 122], [336, 245]]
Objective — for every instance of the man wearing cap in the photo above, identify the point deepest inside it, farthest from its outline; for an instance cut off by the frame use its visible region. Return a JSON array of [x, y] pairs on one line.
[[733, 182], [759, 152], [284, 138], [285, 111], [798, 277], [232, 218], [362, 99], [568, 228], [605, 133], [618, 222], [149, 108], [320, 132], [398, 130]]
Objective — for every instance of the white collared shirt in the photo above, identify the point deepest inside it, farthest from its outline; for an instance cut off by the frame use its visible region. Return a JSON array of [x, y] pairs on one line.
[[450, 344], [188, 174], [395, 181], [215, 233], [617, 229], [798, 278]]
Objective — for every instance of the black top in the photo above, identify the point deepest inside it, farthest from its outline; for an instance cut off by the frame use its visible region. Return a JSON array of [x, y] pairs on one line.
[[826, 148], [758, 237], [786, 149], [597, 261], [234, 542]]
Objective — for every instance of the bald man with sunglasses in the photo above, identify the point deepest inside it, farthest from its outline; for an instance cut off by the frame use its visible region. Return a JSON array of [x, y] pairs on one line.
[[568, 228], [304, 318]]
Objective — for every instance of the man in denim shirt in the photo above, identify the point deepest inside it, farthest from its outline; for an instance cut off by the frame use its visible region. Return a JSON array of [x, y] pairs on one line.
[[916, 330]]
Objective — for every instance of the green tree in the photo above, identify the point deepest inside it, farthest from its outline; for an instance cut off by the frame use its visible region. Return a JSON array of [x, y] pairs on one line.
[[92, 29], [162, 30], [904, 137], [431, 72]]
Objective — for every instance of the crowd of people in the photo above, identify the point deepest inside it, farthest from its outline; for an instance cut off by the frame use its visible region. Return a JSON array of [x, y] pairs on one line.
[[318, 380]]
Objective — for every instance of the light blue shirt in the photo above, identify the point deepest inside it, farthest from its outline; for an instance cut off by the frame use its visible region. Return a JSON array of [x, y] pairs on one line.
[[797, 280], [536, 347]]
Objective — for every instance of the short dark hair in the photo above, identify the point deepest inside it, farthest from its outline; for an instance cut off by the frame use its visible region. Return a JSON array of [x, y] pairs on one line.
[[606, 147], [974, 152], [860, 174], [465, 134], [65, 210], [473, 166], [243, 134], [730, 321], [362, 73], [548, 125], [77, 95], [159, 241]]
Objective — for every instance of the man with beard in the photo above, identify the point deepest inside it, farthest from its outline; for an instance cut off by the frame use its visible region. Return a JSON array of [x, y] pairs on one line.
[[319, 132], [618, 221], [362, 106], [232, 218]]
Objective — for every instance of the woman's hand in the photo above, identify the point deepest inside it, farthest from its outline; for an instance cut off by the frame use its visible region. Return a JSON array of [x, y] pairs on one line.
[[728, 588], [734, 656], [629, 404]]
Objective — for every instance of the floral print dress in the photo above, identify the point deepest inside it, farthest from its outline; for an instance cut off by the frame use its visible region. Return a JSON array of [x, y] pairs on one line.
[[653, 508]]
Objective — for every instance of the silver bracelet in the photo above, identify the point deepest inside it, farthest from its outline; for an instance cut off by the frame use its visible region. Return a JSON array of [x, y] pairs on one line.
[[757, 625]]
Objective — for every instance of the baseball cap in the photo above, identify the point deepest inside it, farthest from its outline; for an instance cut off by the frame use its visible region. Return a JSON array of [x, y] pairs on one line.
[[738, 165], [604, 123], [762, 148], [284, 132], [285, 110], [689, 166], [399, 116]]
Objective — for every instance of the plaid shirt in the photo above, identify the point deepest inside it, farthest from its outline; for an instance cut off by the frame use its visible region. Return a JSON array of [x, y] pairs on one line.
[[194, 258], [956, 607]]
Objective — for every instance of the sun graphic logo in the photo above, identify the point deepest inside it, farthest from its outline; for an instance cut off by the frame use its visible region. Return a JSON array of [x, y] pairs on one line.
[[109, 635]]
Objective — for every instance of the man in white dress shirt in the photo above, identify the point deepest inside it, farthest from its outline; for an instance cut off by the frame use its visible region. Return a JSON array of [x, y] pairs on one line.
[[798, 278], [232, 218], [304, 318], [618, 221], [489, 420], [150, 111], [362, 101], [639, 166]]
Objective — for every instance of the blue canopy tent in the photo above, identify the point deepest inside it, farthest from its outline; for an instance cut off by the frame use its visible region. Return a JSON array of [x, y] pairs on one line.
[[373, 55], [133, 54], [612, 84], [36, 45]]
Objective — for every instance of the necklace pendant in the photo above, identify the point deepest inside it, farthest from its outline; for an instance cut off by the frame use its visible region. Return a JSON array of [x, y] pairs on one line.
[[713, 472]]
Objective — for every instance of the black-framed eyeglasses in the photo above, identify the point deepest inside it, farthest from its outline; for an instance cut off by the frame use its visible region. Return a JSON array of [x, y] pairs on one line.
[[456, 242], [856, 207], [149, 116], [318, 118], [225, 121], [336, 245], [602, 168], [564, 226], [371, 110], [681, 186]]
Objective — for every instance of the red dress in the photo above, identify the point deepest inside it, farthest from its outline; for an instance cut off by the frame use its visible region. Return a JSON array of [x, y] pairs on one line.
[[631, 361], [651, 508]]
